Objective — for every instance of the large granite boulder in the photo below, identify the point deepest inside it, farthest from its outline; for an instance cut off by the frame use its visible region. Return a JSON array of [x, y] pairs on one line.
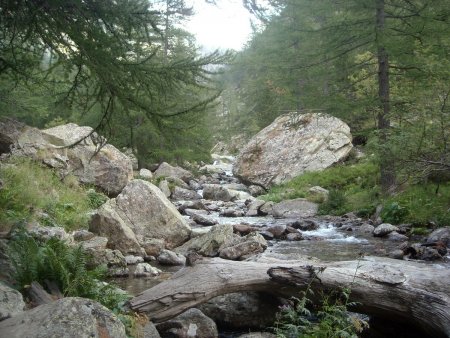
[[11, 302], [151, 214], [144, 209], [107, 222], [89, 159], [293, 144], [66, 317]]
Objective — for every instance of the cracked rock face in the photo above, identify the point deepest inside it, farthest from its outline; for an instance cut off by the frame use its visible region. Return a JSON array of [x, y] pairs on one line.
[[293, 144]]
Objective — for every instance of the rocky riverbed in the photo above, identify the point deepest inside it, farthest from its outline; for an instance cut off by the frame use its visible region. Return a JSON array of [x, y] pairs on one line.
[[162, 221]]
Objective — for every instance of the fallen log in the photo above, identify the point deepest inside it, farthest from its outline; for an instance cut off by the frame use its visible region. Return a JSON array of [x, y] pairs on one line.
[[408, 291]]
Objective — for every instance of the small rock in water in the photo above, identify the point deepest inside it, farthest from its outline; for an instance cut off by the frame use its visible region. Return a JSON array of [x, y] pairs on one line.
[[277, 230], [267, 235], [203, 220], [232, 213], [133, 260], [294, 236], [146, 270], [167, 257], [305, 225]]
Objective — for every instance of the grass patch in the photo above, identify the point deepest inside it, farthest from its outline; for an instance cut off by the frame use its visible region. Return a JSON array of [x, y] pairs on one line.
[[423, 206], [33, 192], [352, 187], [356, 188]]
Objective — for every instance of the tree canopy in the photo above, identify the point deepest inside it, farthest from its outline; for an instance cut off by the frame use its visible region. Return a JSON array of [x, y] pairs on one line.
[[107, 61]]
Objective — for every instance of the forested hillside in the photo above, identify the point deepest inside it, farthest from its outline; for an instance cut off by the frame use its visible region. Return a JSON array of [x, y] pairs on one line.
[[381, 66]]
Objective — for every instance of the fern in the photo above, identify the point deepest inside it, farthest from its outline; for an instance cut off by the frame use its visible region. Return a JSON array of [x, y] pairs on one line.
[[66, 266]]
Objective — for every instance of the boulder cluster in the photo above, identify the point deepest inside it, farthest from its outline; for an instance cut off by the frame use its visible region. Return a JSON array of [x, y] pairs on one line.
[[168, 216]]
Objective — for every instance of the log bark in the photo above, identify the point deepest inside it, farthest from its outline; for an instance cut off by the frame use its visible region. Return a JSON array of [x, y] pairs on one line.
[[413, 292]]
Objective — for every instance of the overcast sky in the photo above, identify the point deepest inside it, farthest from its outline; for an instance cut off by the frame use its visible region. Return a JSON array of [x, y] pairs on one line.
[[222, 26]]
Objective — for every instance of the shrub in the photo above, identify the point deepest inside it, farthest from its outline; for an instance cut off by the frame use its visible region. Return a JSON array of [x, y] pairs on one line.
[[394, 213], [330, 320], [335, 204]]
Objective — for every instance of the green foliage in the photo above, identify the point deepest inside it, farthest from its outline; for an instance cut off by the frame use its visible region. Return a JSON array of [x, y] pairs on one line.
[[421, 231], [31, 191], [356, 188], [394, 213], [96, 199], [55, 261], [348, 179], [334, 204], [423, 204], [329, 320]]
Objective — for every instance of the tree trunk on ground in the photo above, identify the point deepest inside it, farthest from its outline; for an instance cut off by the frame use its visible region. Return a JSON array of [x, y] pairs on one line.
[[406, 291]]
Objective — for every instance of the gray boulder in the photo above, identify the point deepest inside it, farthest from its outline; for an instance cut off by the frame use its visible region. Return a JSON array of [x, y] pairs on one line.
[[107, 222], [440, 235], [203, 220], [145, 270], [217, 192], [278, 230], [192, 323], [145, 174], [133, 260], [153, 246], [11, 302], [95, 243], [241, 248], [46, 232], [296, 208], [164, 187], [109, 169], [256, 190], [166, 170], [182, 194], [167, 257], [253, 208], [208, 244], [103, 166], [384, 229], [293, 144], [150, 214], [66, 317], [267, 208], [258, 335], [149, 331]]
